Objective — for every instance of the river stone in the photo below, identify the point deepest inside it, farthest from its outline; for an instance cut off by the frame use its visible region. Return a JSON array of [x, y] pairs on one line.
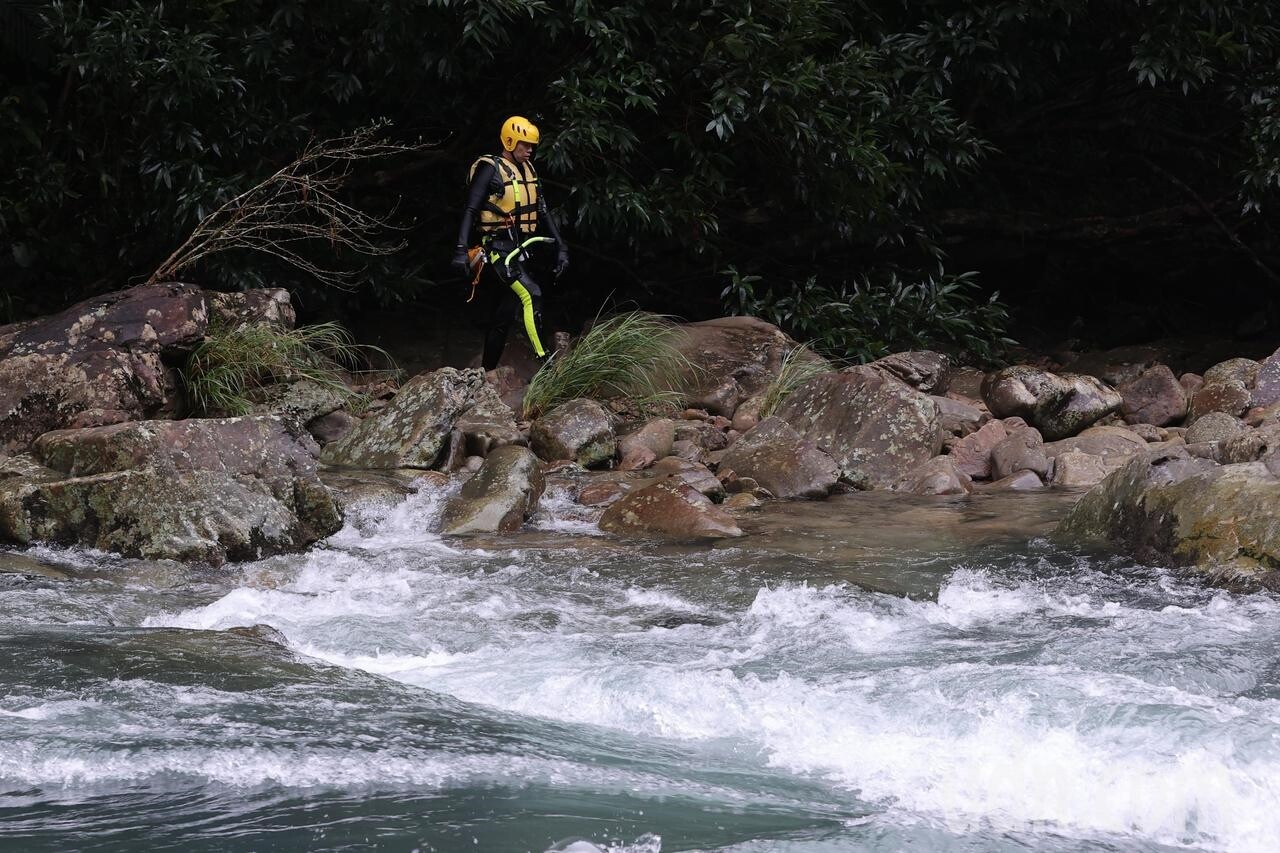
[[107, 353], [1230, 396], [579, 430], [488, 423], [1172, 508], [923, 370], [1058, 405], [1117, 366], [670, 508], [783, 461], [958, 417], [694, 474], [940, 475], [332, 426], [1077, 468], [655, 436], [1113, 446], [602, 493], [1019, 481], [877, 428], [499, 498], [747, 414], [1156, 397], [719, 399], [413, 429], [1213, 427], [747, 350], [1266, 387], [304, 400], [1242, 370], [1022, 450], [966, 382], [972, 453]]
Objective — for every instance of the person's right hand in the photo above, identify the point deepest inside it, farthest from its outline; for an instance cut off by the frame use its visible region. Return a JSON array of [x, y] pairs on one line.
[[460, 262]]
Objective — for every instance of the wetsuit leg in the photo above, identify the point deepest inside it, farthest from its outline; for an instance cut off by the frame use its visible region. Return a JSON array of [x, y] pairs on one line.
[[525, 289]]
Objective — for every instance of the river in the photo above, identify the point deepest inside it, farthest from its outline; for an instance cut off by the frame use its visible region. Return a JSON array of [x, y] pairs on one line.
[[874, 672]]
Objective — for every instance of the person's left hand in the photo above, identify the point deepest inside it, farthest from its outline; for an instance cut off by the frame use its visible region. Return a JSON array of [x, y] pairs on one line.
[[562, 262]]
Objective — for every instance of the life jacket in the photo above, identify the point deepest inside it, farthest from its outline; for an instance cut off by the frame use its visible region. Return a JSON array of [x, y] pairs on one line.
[[517, 204]]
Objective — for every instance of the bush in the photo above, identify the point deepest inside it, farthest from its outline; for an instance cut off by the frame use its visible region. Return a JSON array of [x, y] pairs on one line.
[[630, 357], [222, 373], [865, 320]]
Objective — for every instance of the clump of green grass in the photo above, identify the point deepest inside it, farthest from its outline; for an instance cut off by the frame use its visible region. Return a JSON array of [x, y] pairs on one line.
[[631, 356], [222, 373], [798, 366]]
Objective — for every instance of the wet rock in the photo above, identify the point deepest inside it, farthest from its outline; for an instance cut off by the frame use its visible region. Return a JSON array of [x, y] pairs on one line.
[[1173, 508], [1156, 397], [1230, 396], [783, 461], [670, 508], [1058, 405], [488, 423], [1021, 450], [972, 454], [333, 426], [938, 476], [694, 474], [1073, 468], [603, 493], [105, 354], [746, 350], [580, 430], [958, 417], [747, 414], [742, 501], [923, 370], [413, 430], [656, 437], [259, 633], [1113, 446], [500, 497], [1019, 481], [877, 428], [384, 487], [1213, 427]]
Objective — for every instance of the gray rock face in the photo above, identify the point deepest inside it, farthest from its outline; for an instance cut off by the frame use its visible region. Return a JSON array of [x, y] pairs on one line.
[[197, 490], [784, 462], [1022, 450], [580, 430], [671, 508], [1073, 468], [1111, 446], [101, 355], [877, 428], [1058, 405], [500, 497], [958, 417], [1156, 397], [938, 476], [923, 370], [488, 423], [413, 430], [1213, 427], [1173, 508]]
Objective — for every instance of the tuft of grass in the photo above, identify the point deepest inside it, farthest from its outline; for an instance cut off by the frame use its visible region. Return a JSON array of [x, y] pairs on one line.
[[631, 356], [223, 372], [798, 366]]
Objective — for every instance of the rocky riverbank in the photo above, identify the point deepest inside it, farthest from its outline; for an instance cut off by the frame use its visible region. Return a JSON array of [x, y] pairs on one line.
[[1182, 466]]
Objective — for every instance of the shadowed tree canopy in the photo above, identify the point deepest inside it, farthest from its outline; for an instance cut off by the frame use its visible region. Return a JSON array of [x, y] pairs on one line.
[[1061, 148]]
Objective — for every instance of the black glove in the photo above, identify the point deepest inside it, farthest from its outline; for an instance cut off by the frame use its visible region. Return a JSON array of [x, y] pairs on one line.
[[562, 262], [460, 262]]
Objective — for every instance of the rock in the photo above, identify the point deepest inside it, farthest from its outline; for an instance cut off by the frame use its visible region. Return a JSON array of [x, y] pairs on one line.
[[656, 436], [1156, 397], [938, 476], [1242, 370], [603, 493], [742, 501], [1191, 383], [1266, 387], [199, 490], [702, 433], [966, 382], [972, 454], [1173, 508], [98, 417], [1075, 468], [958, 417], [637, 459], [1214, 426], [1113, 446], [303, 400], [580, 430], [413, 430], [269, 305], [923, 370], [689, 451], [1229, 396], [670, 508], [1149, 433], [260, 633], [1021, 450], [385, 487], [488, 423], [746, 350], [1118, 366], [877, 428], [1059, 406], [499, 498], [720, 399], [1019, 481], [333, 426], [783, 461], [105, 354], [696, 475], [747, 414]]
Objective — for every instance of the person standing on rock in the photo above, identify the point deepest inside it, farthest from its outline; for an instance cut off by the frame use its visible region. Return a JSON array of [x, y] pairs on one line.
[[506, 206]]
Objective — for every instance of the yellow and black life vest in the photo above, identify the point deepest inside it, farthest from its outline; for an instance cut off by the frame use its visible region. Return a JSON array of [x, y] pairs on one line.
[[517, 204]]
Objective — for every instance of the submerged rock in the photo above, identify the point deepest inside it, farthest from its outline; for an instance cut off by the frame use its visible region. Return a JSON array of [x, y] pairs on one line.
[[671, 508], [502, 495]]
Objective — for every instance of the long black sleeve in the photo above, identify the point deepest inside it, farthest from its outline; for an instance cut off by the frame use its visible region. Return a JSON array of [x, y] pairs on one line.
[[476, 194], [544, 215]]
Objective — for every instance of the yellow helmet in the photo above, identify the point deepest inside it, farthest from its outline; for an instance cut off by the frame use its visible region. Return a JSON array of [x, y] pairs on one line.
[[519, 129]]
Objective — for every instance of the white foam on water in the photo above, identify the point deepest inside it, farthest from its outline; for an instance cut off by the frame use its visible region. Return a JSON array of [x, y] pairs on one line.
[[558, 512], [45, 710]]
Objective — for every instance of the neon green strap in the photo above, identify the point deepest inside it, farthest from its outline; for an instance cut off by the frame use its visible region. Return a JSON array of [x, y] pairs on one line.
[[518, 249]]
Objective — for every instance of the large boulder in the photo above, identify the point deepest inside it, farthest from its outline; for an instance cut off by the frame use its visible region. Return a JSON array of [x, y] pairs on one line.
[[1021, 450], [671, 508], [1156, 397], [876, 427], [105, 358], [1111, 446], [923, 370], [1058, 405], [413, 430], [500, 497], [1170, 507], [782, 461], [488, 423], [197, 490], [647, 444], [580, 430], [733, 358], [1266, 385], [972, 454]]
